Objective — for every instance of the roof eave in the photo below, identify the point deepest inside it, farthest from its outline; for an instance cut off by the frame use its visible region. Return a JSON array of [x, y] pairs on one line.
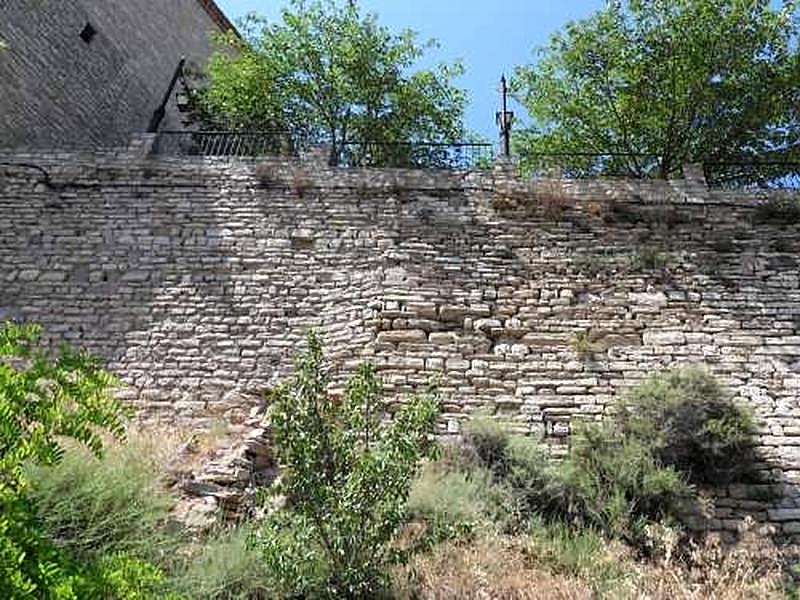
[[219, 18]]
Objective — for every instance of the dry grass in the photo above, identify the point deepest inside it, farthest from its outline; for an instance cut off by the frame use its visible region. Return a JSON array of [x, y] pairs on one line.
[[751, 569], [490, 567], [522, 567]]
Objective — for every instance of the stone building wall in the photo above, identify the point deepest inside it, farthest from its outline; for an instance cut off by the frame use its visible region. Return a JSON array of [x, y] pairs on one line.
[[57, 90], [538, 300]]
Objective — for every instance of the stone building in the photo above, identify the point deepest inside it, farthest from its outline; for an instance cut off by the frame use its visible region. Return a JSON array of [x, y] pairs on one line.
[[89, 72]]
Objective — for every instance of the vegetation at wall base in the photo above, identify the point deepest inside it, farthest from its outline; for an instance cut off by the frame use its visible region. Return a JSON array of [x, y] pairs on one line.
[[691, 423], [46, 398], [492, 515], [623, 478], [346, 475]]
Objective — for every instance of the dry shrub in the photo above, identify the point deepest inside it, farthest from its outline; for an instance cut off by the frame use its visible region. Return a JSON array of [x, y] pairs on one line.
[[750, 569], [97, 507], [267, 175], [301, 183], [520, 567], [490, 567], [546, 198]]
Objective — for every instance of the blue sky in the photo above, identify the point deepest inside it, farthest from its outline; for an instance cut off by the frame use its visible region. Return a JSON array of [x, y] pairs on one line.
[[489, 37]]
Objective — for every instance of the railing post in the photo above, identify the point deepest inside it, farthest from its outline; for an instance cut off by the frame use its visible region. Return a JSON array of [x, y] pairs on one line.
[[142, 144], [318, 155], [694, 173]]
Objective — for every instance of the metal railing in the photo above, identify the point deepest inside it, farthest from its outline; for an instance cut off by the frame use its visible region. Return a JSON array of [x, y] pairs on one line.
[[459, 155], [413, 155], [753, 175], [590, 165], [226, 143]]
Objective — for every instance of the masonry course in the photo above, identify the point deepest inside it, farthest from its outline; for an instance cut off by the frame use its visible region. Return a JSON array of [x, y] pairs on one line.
[[196, 280]]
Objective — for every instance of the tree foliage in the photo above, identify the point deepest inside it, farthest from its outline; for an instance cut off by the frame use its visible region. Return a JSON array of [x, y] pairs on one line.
[[346, 475], [684, 80], [43, 400], [329, 73]]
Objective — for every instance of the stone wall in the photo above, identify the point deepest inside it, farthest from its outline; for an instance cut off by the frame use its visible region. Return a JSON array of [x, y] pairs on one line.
[[59, 90], [538, 300]]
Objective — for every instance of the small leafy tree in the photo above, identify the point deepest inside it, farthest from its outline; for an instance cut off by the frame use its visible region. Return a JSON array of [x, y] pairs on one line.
[[43, 399], [329, 73], [346, 474], [678, 80]]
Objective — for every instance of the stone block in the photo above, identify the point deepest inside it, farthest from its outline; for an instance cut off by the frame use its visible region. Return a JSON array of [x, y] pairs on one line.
[[401, 336]]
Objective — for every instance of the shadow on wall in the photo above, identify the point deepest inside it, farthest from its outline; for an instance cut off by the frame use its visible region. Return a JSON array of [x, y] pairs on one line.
[[191, 287]]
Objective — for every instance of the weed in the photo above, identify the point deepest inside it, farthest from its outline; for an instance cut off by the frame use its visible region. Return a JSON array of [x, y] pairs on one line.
[[589, 265], [584, 344], [648, 258], [580, 553]]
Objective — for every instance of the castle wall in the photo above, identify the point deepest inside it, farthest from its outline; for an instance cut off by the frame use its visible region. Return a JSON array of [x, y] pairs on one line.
[[56, 90], [196, 280]]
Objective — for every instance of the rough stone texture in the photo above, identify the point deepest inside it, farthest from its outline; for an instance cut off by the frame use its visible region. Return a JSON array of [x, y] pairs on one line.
[[196, 281], [58, 90]]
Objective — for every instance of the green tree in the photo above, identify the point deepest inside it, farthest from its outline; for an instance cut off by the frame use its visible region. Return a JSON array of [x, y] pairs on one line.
[[328, 73], [684, 80], [44, 399], [346, 475]]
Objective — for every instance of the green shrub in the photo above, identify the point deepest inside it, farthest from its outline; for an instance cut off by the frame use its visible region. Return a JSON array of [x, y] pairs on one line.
[[227, 567], [346, 473], [486, 444], [608, 483], [94, 508], [524, 480], [690, 422], [614, 484], [466, 499], [123, 577]]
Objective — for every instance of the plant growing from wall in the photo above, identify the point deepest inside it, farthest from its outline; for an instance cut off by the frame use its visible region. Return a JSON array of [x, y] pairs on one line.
[[346, 474], [648, 258], [584, 344]]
